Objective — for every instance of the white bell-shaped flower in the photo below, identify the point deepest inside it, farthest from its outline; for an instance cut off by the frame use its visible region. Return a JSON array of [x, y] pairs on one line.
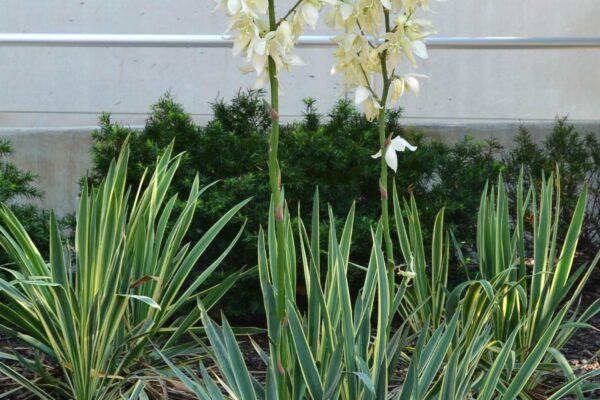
[[371, 106], [392, 146], [310, 12]]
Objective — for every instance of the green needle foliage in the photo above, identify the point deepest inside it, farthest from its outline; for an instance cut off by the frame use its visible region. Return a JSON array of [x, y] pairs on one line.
[[17, 187], [94, 312], [332, 151]]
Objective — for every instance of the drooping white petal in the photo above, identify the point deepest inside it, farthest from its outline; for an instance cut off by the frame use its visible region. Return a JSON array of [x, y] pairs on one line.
[[259, 62], [262, 80], [260, 46], [310, 12], [391, 158], [346, 41], [412, 82], [278, 61], [387, 4], [400, 144], [371, 108], [233, 6], [285, 29], [361, 94], [240, 43], [419, 48], [397, 89], [262, 6], [346, 11], [377, 155], [246, 69]]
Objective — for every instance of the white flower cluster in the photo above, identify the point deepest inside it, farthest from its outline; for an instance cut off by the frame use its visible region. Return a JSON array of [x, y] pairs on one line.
[[378, 32], [254, 39], [378, 36]]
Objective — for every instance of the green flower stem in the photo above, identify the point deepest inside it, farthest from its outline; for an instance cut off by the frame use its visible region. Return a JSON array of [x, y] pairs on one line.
[[275, 174], [278, 349], [291, 10], [383, 182]]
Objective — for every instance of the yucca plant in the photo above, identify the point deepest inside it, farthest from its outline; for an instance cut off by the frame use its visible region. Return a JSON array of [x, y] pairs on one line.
[[427, 297], [335, 348], [460, 346], [93, 313], [538, 291], [524, 305]]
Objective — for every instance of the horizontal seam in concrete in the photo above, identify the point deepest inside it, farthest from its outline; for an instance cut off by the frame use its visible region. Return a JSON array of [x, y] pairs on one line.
[[54, 129], [407, 121], [290, 116]]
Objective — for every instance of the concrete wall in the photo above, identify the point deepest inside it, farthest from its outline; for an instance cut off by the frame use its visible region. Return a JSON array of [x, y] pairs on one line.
[[46, 91], [60, 157]]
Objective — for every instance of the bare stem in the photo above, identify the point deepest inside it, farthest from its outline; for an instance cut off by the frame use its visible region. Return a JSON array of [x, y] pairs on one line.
[[291, 10], [389, 248], [275, 175]]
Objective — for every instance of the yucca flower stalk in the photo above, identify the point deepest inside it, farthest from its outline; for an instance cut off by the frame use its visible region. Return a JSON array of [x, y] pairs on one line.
[[379, 36], [267, 41]]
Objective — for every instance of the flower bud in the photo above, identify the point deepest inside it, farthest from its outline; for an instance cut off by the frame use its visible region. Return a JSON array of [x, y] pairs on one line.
[[397, 89], [280, 368]]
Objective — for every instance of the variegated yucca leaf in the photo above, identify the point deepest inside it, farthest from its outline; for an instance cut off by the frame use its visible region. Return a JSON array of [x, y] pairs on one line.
[[336, 347], [94, 309]]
